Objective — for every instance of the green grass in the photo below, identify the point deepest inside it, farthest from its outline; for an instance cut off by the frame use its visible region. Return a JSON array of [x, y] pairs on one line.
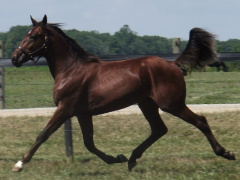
[[183, 153], [29, 87], [213, 88]]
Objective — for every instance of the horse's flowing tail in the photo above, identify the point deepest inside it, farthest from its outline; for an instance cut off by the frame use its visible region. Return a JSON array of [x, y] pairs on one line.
[[199, 51]]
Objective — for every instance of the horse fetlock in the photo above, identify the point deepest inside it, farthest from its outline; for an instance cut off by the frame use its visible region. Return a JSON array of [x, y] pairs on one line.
[[18, 167], [119, 159], [226, 154], [229, 155], [110, 160]]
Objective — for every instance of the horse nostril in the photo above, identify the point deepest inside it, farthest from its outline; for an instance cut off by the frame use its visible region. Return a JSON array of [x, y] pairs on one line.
[[14, 58]]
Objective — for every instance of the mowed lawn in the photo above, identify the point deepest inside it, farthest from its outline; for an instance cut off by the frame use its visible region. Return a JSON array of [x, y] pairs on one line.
[[183, 153], [213, 88], [30, 87]]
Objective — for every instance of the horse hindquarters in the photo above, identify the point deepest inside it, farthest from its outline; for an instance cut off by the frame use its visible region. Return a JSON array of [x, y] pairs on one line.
[[170, 97]]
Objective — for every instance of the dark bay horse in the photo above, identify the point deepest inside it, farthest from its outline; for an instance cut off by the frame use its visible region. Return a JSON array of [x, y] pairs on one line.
[[85, 86], [218, 65]]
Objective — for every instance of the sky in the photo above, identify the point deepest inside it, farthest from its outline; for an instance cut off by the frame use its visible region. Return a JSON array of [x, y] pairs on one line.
[[166, 18]]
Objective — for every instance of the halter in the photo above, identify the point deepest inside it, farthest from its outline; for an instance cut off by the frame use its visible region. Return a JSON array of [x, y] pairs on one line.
[[31, 55]]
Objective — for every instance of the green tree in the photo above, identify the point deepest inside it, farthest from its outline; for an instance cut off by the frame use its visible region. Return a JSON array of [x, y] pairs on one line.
[[3, 37], [14, 37], [231, 45], [157, 44], [122, 41], [92, 41]]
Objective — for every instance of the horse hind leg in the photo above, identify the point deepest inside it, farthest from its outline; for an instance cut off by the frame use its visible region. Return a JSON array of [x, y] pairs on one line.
[[201, 123], [158, 129], [87, 131]]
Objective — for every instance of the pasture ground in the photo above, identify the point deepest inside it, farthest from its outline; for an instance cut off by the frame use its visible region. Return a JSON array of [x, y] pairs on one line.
[[183, 153], [32, 87]]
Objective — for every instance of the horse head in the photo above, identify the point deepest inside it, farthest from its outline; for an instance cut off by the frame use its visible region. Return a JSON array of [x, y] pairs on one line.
[[33, 45]]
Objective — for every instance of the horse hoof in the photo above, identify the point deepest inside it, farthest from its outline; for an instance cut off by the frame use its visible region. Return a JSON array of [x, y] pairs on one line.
[[131, 165], [18, 167], [231, 156], [122, 158]]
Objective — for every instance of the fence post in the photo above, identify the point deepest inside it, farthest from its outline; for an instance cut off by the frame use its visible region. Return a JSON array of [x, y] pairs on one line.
[[2, 91], [1, 48], [176, 45], [68, 140]]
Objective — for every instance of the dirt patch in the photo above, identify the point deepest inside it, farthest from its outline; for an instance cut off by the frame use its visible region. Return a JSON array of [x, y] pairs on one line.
[[197, 108]]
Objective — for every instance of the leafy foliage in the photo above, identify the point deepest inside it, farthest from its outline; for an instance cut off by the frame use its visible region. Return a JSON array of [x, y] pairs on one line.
[[13, 38], [123, 42], [231, 45]]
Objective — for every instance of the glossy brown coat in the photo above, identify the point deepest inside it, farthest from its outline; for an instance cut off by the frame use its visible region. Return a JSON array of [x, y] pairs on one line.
[[86, 86]]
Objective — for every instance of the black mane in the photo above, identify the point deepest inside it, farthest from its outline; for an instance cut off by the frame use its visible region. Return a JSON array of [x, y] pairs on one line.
[[79, 52]]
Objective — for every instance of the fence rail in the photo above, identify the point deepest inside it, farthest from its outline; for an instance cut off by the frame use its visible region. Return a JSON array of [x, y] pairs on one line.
[[222, 56]]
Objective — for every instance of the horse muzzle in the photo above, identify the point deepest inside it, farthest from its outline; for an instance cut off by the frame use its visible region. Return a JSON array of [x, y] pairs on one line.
[[18, 58]]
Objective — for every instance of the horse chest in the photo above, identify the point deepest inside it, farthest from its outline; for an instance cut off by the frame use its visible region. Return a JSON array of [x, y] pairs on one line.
[[68, 89]]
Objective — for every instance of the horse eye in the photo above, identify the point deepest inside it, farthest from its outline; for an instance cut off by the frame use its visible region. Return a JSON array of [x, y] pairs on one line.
[[33, 37]]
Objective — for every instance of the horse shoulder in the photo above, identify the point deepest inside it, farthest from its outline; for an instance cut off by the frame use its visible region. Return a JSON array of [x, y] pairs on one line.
[[72, 84]]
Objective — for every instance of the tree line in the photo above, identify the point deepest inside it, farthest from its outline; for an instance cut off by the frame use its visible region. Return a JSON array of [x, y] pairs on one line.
[[123, 42]]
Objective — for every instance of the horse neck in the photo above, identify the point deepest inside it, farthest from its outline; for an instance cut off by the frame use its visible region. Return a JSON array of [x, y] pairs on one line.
[[59, 57]]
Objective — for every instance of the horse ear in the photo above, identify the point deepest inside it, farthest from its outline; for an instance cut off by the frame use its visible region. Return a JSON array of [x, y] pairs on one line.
[[34, 22], [44, 21]]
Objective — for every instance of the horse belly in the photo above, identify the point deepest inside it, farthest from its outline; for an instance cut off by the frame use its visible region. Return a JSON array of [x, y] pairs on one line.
[[118, 96]]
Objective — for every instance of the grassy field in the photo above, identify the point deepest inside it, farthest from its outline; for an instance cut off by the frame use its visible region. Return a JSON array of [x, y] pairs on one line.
[[213, 88], [29, 87], [182, 154]]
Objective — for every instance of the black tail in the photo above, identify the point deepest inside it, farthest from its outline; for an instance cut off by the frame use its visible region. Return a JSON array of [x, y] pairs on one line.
[[199, 51]]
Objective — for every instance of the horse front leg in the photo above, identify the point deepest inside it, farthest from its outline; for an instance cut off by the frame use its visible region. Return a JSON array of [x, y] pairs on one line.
[[55, 122], [158, 129], [87, 131]]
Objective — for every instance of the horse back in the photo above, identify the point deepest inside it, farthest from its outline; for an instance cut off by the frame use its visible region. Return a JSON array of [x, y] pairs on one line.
[[119, 84]]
